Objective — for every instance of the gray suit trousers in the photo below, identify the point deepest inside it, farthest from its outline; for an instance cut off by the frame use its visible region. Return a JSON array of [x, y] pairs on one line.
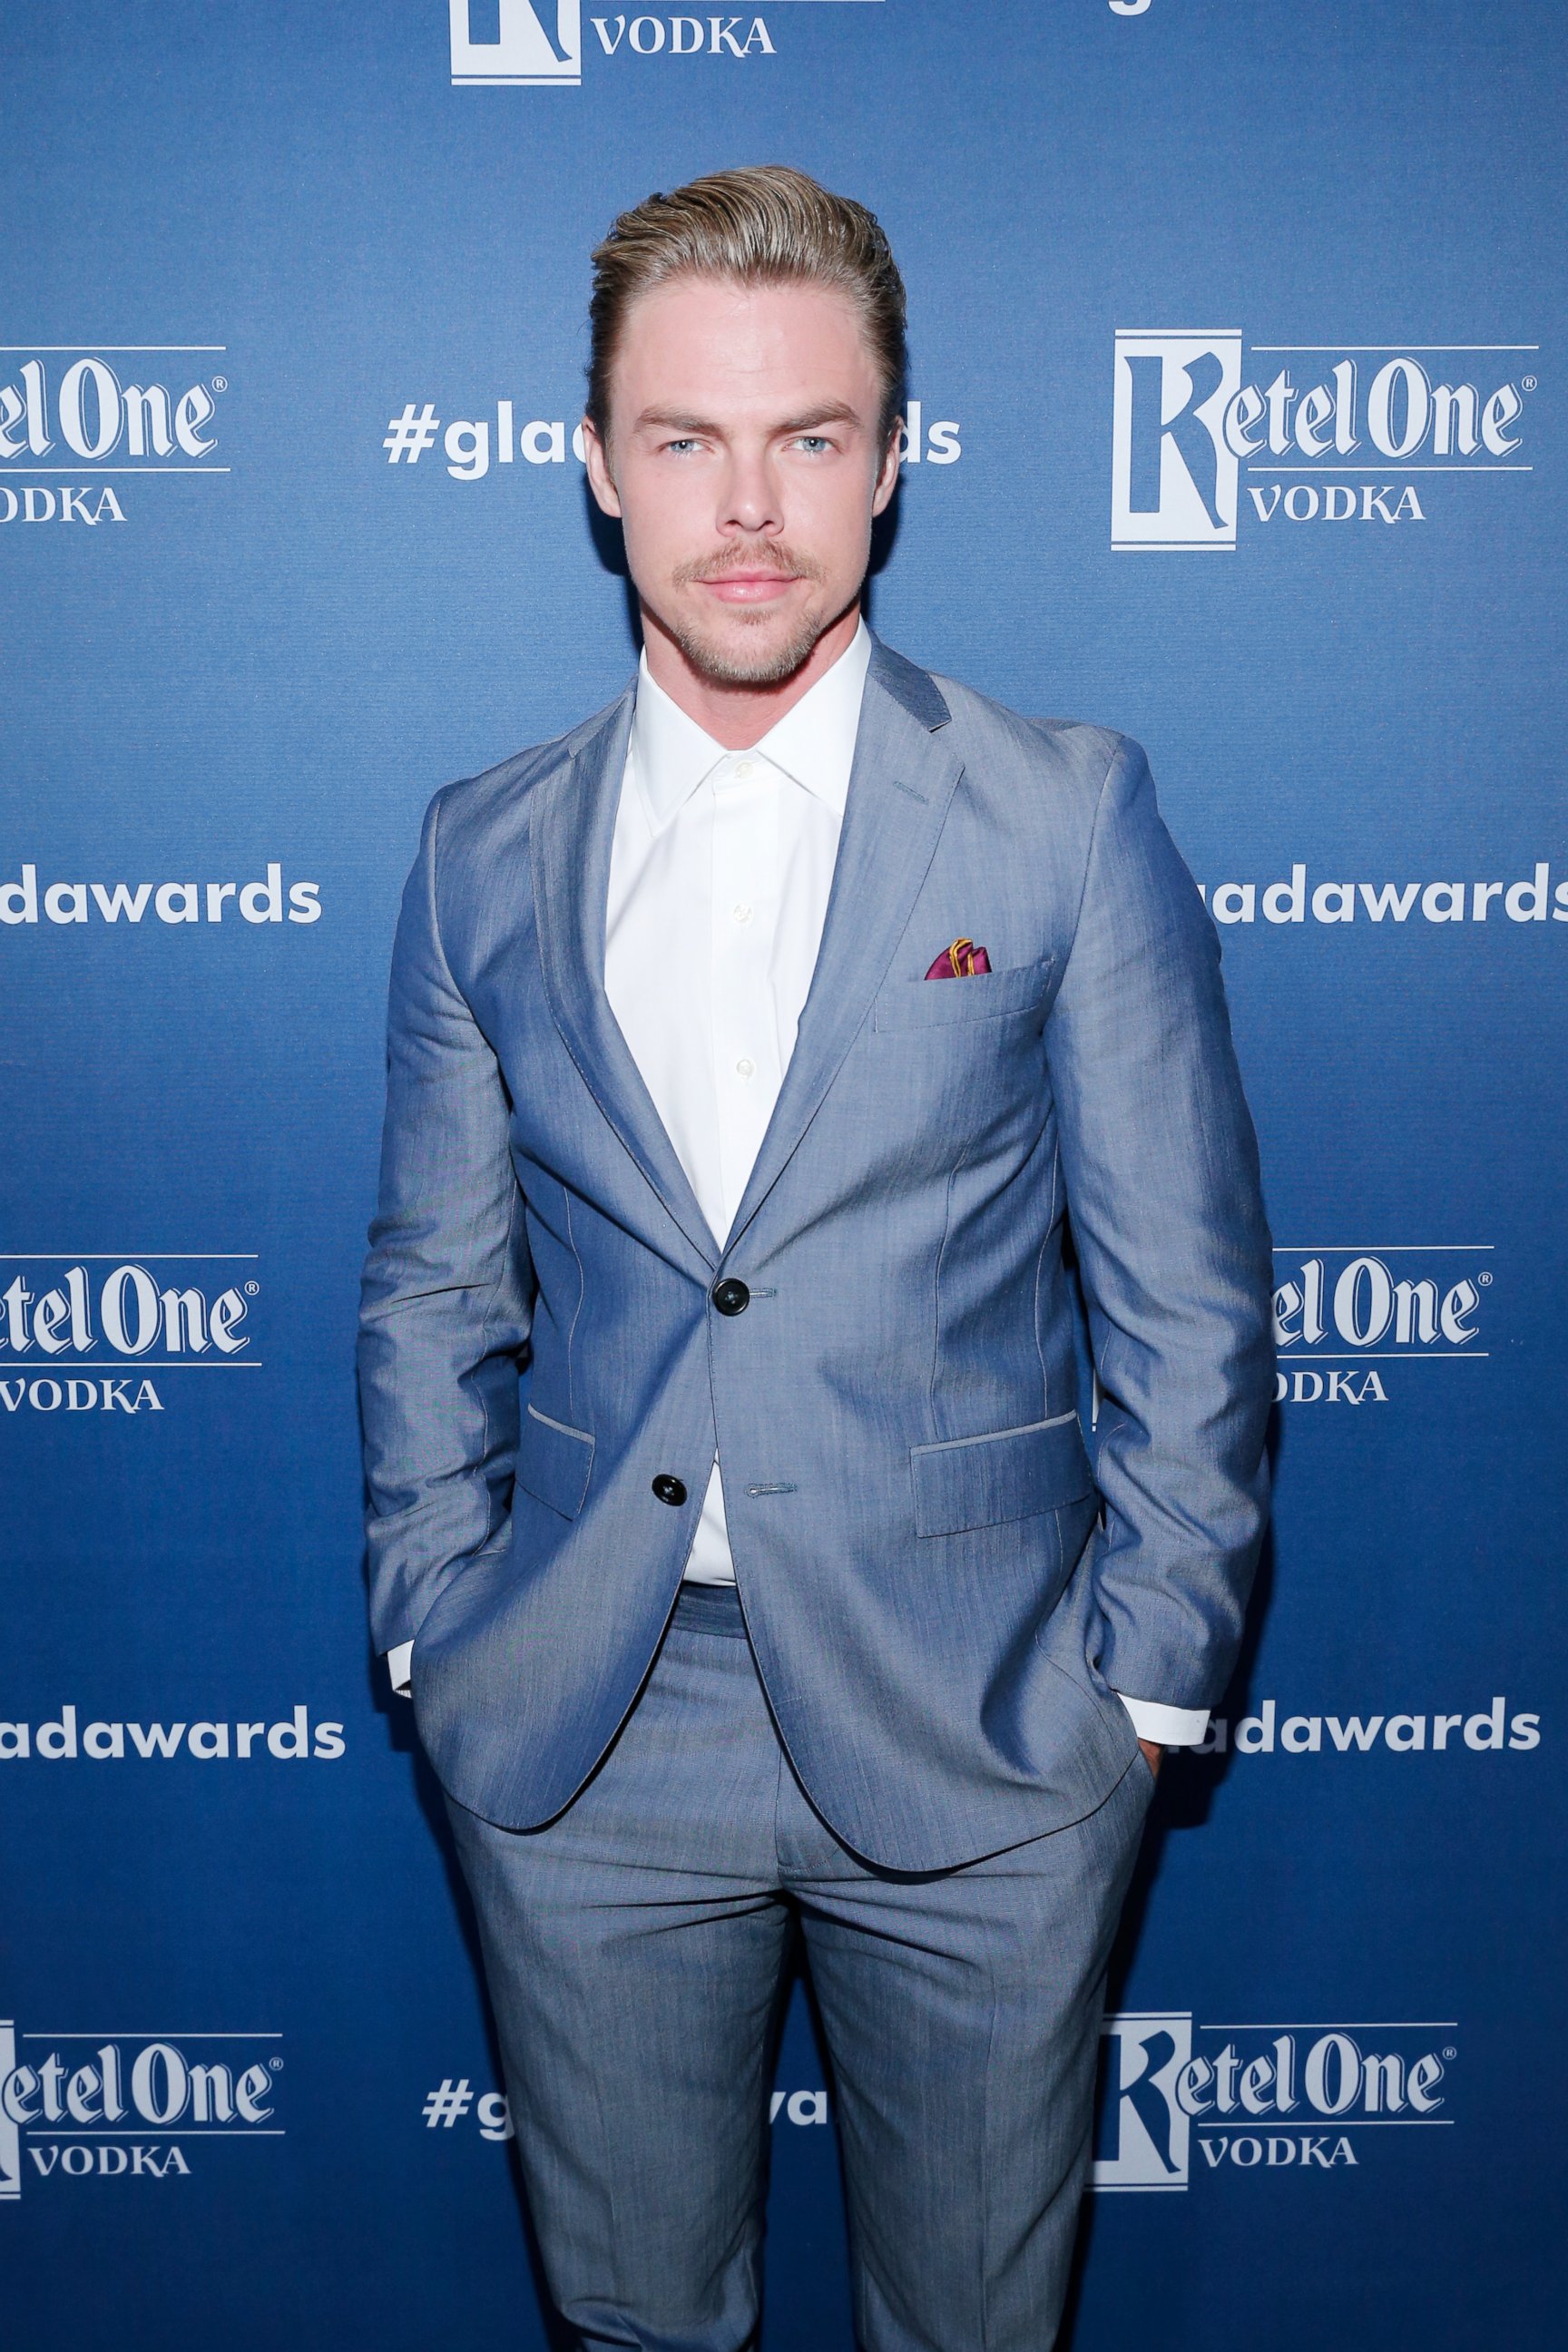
[[635, 1948]]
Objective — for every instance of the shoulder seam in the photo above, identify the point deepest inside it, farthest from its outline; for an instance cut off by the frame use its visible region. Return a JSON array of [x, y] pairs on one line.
[[1119, 747], [436, 806], [524, 767]]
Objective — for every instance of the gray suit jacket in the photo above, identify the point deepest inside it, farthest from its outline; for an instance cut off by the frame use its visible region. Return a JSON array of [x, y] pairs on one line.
[[940, 1587]]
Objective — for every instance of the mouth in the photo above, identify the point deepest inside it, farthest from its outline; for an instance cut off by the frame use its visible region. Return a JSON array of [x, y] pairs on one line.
[[749, 587]]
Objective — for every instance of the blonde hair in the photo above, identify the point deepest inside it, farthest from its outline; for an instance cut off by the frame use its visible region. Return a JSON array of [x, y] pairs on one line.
[[764, 226]]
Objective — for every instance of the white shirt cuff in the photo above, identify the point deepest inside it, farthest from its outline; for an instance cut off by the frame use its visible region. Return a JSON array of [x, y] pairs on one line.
[[1167, 1727]]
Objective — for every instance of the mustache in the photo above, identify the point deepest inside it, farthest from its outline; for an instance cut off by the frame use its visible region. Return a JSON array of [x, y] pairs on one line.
[[761, 555]]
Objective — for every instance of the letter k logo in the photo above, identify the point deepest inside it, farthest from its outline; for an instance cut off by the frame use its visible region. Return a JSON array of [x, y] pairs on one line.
[[1174, 480], [1196, 444]]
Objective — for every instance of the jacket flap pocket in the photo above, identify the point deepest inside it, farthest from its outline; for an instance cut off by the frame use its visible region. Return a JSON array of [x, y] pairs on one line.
[[936, 1004], [1010, 1474], [553, 1461]]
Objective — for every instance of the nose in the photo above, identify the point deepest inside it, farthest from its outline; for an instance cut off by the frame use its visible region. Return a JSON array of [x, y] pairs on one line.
[[750, 499]]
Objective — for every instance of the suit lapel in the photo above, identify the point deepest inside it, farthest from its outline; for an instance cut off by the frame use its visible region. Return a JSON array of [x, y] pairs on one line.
[[573, 831], [900, 786]]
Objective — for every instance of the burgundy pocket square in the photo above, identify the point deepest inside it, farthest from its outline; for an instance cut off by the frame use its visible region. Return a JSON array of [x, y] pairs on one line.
[[959, 962]]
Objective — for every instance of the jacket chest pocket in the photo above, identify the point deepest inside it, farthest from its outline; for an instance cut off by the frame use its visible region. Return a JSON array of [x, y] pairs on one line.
[[907, 1004]]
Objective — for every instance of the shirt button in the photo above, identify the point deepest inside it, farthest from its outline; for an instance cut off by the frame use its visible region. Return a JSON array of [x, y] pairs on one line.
[[745, 770], [670, 1490], [741, 914], [745, 1067]]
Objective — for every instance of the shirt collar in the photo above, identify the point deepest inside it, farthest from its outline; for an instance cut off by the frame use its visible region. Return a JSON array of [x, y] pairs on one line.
[[813, 743]]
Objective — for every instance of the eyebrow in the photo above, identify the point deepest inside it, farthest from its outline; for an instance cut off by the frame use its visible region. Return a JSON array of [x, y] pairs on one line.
[[672, 420]]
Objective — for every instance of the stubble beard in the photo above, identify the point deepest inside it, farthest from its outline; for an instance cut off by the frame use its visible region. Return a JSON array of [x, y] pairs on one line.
[[726, 662]]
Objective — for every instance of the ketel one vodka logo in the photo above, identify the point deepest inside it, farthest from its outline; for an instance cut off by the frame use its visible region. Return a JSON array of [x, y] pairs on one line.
[[1339, 1314], [1175, 2098], [1203, 436], [86, 1333], [80, 2106], [69, 415], [538, 43]]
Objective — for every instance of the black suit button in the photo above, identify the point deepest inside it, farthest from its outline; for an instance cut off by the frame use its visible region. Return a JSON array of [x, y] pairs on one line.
[[670, 1490], [731, 1297]]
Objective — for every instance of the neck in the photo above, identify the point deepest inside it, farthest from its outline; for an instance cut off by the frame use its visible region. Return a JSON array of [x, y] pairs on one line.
[[739, 716]]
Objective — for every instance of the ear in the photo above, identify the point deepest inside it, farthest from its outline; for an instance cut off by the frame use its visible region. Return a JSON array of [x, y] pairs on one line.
[[888, 472], [600, 480]]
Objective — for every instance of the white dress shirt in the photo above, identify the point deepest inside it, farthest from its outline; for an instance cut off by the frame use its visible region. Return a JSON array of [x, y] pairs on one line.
[[720, 874], [721, 867]]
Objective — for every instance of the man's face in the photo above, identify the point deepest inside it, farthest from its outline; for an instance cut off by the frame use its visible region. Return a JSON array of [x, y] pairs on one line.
[[746, 462]]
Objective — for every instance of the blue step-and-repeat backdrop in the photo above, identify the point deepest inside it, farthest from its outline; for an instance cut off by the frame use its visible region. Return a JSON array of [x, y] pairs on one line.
[[1237, 424]]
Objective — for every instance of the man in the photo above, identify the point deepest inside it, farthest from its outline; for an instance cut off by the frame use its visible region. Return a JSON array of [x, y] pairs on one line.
[[751, 1046]]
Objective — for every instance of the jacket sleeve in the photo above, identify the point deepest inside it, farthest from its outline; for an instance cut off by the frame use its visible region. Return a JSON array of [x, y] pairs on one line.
[[447, 1291], [1160, 1164]]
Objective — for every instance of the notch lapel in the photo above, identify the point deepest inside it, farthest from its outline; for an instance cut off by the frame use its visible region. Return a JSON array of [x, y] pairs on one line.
[[573, 831], [901, 782]]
